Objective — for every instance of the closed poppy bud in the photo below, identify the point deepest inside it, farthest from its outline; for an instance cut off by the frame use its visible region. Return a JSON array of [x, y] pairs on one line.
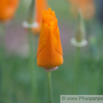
[[7, 9], [81, 32], [49, 53], [40, 5], [79, 39]]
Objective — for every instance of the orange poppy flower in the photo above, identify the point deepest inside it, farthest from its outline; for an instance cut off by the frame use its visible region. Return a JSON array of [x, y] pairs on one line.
[[7, 9], [87, 7], [49, 53], [40, 5]]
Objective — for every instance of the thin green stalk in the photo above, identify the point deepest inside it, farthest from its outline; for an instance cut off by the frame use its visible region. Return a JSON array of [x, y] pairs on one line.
[[32, 68], [50, 88], [30, 20], [77, 70]]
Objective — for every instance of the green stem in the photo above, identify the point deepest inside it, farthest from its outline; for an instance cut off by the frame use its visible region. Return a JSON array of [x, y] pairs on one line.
[[30, 20], [32, 68], [50, 88], [77, 70]]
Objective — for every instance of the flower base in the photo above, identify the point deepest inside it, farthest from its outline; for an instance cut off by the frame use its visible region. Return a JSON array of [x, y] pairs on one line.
[[51, 69], [27, 25], [79, 44]]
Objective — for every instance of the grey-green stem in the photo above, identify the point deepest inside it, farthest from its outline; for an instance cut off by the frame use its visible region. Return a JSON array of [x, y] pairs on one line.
[[32, 53], [76, 70], [50, 87]]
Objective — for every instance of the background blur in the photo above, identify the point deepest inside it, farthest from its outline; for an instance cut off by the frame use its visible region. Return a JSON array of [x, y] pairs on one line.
[[15, 82]]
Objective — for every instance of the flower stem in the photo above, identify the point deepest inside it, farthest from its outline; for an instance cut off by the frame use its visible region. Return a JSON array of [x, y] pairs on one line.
[[32, 52], [50, 87], [32, 68], [77, 70]]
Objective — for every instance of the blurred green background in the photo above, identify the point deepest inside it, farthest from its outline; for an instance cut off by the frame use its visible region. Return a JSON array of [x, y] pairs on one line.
[[15, 81]]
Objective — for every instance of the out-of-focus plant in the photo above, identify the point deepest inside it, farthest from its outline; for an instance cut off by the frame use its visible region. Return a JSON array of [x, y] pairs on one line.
[[40, 5], [29, 25], [49, 53], [33, 27], [7, 9], [7, 12], [78, 41], [87, 7]]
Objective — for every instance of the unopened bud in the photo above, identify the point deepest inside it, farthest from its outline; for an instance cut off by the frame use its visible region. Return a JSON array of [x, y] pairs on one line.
[[80, 35]]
